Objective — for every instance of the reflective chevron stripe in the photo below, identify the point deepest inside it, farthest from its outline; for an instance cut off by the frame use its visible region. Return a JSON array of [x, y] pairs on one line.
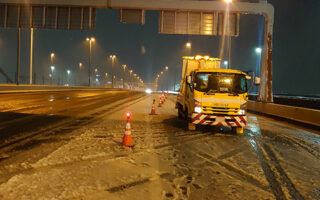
[[231, 121]]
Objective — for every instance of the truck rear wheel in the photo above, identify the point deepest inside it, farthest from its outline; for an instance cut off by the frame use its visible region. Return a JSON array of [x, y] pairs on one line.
[[237, 130]]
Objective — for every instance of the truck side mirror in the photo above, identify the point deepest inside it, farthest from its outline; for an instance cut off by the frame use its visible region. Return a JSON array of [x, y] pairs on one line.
[[257, 80], [189, 80]]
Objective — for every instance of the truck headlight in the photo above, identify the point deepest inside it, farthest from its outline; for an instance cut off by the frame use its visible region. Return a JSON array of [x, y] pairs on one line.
[[242, 112], [197, 109]]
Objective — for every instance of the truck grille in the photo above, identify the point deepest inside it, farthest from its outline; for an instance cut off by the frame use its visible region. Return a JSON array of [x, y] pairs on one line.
[[220, 110]]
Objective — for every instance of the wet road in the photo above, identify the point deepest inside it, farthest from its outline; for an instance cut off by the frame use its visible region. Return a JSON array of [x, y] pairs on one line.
[[67, 145]]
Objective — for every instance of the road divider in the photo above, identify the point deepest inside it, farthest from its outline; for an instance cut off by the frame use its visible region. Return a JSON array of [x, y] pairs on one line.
[[11, 88], [299, 114]]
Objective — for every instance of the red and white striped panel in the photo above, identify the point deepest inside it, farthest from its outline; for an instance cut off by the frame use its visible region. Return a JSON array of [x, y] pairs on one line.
[[202, 119]]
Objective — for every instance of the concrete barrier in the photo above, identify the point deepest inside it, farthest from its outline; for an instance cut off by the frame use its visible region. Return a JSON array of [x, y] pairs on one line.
[[304, 115], [11, 88]]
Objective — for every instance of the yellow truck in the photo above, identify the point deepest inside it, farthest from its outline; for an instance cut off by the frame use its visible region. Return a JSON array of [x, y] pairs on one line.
[[212, 96]]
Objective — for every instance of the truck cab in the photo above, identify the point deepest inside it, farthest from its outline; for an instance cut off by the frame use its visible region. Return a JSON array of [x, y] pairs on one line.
[[211, 96]]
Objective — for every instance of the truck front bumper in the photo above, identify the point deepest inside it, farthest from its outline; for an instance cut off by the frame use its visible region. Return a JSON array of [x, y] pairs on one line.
[[214, 120]]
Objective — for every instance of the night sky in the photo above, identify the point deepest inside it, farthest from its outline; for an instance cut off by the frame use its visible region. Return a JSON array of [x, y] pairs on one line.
[[296, 69]]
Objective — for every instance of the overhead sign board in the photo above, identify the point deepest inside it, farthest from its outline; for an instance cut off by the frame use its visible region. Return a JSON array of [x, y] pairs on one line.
[[186, 22], [47, 17], [132, 16]]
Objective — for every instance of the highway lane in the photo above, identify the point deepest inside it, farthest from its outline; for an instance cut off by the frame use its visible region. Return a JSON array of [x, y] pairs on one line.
[[27, 112], [82, 157]]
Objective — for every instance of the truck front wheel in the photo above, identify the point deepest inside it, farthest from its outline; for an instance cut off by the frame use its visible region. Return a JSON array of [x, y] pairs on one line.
[[180, 115], [237, 130]]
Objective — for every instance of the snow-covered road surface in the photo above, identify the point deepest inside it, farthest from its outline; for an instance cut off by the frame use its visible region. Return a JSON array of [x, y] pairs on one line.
[[272, 160]]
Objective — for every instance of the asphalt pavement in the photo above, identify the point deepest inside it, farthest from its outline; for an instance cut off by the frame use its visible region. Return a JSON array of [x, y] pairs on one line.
[[67, 145]]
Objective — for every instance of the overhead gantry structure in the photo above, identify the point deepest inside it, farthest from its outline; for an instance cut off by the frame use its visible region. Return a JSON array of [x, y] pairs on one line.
[[88, 7]]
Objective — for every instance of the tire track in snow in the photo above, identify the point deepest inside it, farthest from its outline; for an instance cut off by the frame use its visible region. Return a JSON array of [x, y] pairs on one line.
[[274, 173]]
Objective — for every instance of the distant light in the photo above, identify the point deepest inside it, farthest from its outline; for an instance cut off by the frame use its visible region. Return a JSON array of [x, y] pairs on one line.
[[228, 1], [227, 81], [258, 50], [98, 75], [97, 80], [50, 75], [206, 57], [167, 68], [68, 72], [188, 44], [52, 68], [148, 91], [225, 62]]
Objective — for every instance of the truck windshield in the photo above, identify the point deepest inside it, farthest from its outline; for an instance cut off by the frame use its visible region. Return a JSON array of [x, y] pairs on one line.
[[220, 83]]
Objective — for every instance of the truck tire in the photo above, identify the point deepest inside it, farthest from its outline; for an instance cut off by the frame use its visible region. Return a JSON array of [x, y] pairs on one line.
[[180, 116]]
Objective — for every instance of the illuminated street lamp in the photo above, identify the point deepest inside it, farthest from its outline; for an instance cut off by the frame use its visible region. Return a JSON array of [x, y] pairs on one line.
[[225, 63], [68, 72], [188, 45], [90, 40], [80, 65], [258, 50], [52, 55], [112, 57], [166, 70]]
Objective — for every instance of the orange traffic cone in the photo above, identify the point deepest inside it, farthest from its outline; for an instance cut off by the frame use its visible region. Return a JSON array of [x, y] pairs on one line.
[[160, 101], [163, 99], [153, 110], [127, 139]]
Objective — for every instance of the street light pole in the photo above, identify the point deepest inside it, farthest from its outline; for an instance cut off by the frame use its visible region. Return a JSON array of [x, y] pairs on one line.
[[124, 74], [112, 62], [90, 40], [166, 70], [31, 55], [18, 58]]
